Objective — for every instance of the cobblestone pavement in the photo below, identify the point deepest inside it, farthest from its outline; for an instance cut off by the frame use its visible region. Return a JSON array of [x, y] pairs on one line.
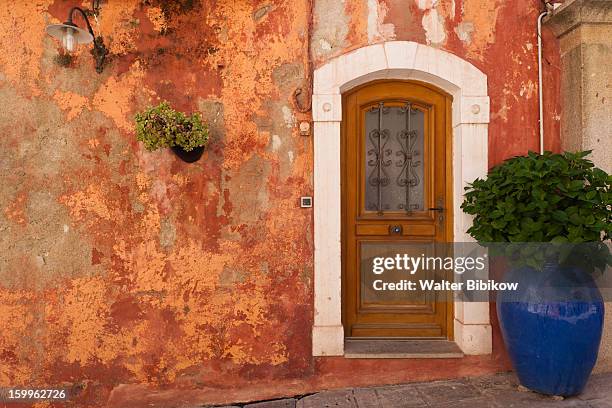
[[496, 391]]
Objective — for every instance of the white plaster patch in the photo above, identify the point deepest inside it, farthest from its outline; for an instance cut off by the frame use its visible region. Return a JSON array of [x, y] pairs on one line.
[[433, 24], [528, 89], [288, 117], [376, 29], [276, 142], [372, 19], [40, 260], [290, 154], [426, 4], [66, 228], [325, 45], [529, 46], [464, 31]]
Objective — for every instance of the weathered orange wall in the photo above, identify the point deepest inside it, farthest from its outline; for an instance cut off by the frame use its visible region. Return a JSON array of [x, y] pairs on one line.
[[119, 266], [497, 36]]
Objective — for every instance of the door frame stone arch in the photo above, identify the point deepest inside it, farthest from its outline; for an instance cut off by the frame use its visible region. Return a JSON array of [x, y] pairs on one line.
[[400, 60]]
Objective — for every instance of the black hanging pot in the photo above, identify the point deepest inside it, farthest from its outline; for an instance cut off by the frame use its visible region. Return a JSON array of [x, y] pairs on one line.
[[188, 156]]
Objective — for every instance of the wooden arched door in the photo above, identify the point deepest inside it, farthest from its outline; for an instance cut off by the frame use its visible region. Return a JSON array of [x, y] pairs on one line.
[[396, 198]]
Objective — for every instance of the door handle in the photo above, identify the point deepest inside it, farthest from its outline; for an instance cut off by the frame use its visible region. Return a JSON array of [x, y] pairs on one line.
[[440, 209]]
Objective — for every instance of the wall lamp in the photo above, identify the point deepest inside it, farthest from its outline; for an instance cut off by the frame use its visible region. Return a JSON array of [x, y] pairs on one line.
[[71, 35]]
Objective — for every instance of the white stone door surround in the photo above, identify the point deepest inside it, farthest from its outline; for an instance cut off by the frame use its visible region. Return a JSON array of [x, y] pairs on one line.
[[402, 60]]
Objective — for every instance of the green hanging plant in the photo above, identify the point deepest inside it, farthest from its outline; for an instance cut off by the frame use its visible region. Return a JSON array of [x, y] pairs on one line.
[[161, 126]]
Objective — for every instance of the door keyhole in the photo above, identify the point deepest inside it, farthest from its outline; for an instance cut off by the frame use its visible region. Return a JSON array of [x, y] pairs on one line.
[[395, 229]]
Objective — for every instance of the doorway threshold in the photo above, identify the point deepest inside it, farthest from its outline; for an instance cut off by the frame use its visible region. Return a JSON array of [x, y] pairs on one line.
[[408, 348]]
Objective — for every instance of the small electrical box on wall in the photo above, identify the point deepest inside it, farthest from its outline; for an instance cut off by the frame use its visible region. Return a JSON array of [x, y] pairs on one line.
[[305, 202]]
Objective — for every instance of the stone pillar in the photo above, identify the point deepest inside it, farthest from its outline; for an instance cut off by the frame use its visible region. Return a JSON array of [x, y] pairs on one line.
[[584, 29]]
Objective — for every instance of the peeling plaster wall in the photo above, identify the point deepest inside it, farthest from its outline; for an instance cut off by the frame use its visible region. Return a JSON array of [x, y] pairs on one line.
[[121, 264], [496, 36], [123, 271]]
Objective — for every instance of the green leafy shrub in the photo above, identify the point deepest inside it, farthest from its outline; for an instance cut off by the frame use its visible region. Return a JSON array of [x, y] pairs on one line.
[[541, 198], [161, 126], [558, 198]]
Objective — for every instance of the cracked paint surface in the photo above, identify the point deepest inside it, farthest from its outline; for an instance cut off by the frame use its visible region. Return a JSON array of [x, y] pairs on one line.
[[124, 271], [497, 37], [147, 297]]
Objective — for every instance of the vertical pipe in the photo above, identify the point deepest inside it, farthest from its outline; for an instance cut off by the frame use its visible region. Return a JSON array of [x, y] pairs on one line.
[[540, 90]]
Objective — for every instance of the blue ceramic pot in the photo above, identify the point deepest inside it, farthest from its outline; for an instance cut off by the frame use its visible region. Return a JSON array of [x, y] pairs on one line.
[[552, 327]]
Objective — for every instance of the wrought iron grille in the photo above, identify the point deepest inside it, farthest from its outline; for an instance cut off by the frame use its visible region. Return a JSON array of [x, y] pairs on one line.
[[399, 187]]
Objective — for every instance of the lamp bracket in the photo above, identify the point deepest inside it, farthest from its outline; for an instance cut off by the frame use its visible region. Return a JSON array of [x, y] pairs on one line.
[[99, 50], [95, 7]]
